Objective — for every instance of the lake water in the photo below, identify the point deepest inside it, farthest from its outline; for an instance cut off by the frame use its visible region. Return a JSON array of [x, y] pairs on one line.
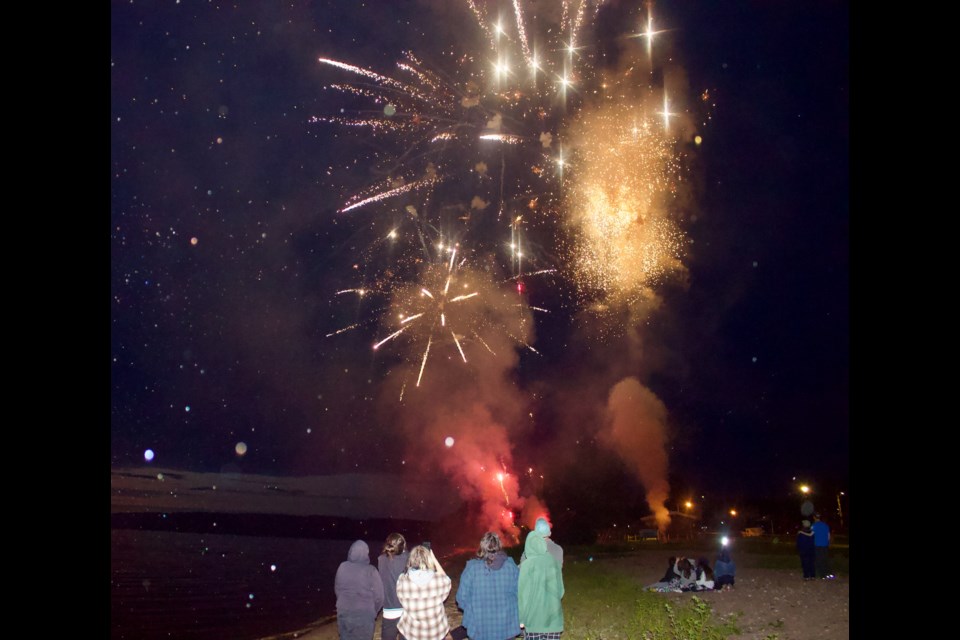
[[168, 584]]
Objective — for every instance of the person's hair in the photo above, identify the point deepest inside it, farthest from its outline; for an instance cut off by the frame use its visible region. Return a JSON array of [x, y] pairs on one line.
[[419, 558], [686, 567], [395, 544], [489, 547], [724, 555], [704, 565]]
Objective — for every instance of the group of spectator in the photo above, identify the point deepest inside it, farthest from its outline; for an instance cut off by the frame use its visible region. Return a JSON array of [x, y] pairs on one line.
[[499, 599]]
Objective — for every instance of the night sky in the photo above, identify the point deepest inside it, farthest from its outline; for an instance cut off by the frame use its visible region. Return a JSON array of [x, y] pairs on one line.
[[225, 340]]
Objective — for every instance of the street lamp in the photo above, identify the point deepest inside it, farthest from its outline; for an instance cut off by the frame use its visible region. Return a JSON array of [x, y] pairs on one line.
[[839, 508]]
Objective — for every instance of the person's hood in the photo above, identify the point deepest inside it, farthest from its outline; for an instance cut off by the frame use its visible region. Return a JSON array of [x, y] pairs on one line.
[[535, 545], [498, 561], [359, 552], [421, 576]]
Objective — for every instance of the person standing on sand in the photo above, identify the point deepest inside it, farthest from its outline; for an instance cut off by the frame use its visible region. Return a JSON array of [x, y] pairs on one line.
[[390, 564], [488, 593], [359, 593], [806, 550], [422, 590], [543, 528], [540, 590], [821, 542]]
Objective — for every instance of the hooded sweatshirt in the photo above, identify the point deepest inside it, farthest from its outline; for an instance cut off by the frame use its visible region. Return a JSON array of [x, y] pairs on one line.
[[422, 593], [540, 588], [357, 585], [725, 566], [488, 596]]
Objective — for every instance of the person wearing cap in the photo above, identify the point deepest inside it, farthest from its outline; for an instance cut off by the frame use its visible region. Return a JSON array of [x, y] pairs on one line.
[[543, 528], [821, 545], [806, 550]]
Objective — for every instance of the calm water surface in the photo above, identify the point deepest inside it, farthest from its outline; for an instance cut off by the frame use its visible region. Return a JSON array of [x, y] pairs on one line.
[[208, 586]]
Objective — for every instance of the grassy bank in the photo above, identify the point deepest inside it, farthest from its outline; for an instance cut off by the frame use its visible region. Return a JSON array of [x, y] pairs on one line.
[[762, 552], [603, 602]]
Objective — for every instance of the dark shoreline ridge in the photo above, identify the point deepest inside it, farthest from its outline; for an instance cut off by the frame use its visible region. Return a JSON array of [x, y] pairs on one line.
[[269, 525]]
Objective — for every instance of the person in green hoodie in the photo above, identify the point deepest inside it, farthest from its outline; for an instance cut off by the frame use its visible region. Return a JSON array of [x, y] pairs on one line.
[[539, 591]]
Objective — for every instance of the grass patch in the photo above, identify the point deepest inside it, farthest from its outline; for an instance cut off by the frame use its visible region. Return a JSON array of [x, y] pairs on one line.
[[602, 603], [762, 552]]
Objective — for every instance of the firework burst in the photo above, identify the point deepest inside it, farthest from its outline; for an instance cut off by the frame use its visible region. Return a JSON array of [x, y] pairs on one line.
[[525, 145]]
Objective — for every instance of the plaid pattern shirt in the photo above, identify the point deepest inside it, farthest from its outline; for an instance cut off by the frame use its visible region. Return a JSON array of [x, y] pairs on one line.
[[424, 616], [488, 598]]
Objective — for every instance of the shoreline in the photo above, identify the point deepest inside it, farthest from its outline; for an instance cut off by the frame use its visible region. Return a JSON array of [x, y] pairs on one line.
[[766, 600]]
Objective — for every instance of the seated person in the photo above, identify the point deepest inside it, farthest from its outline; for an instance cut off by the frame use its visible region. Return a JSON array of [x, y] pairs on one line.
[[703, 575], [725, 571], [674, 577]]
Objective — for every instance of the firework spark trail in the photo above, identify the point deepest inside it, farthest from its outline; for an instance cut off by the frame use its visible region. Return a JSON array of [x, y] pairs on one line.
[[522, 32], [419, 184], [503, 137], [383, 80], [339, 331], [506, 498], [423, 365], [388, 338]]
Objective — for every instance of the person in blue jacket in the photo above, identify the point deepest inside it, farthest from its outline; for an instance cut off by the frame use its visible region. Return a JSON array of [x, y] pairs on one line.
[[488, 592]]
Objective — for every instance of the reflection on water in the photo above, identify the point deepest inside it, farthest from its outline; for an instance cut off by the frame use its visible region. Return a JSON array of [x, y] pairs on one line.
[[167, 584]]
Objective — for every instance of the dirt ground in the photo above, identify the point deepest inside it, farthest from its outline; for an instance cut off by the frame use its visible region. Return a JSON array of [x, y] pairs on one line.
[[772, 604]]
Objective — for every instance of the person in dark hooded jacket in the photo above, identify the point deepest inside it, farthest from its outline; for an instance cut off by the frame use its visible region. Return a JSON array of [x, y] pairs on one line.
[[488, 592], [359, 594]]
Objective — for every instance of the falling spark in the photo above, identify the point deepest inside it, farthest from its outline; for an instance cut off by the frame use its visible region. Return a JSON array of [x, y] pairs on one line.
[[424, 363], [506, 498], [389, 337], [339, 331], [419, 184], [459, 348]]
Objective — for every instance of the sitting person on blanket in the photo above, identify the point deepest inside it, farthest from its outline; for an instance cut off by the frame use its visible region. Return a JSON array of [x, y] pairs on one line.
[[704, 577], [679, 573]]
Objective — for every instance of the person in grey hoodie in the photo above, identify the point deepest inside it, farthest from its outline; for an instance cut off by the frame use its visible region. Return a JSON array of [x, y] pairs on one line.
[[359, 594]]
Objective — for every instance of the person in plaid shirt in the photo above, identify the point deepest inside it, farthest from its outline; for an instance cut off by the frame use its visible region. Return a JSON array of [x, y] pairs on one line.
[[488, 593], [422, 590]]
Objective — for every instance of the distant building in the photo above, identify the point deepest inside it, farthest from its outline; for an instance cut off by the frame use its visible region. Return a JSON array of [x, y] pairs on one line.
[[683, 526]]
